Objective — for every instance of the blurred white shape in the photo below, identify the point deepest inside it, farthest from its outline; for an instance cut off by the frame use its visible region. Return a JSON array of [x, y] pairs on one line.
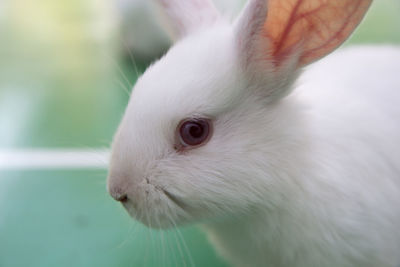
[[142, 32], [229, 7], [29, 159]]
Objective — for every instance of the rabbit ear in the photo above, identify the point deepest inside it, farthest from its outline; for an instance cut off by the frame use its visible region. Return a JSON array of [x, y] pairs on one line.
[[186, 16], [306, 30]]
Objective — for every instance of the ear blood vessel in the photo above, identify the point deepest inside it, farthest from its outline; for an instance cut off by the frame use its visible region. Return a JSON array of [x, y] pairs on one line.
[[293, 169]]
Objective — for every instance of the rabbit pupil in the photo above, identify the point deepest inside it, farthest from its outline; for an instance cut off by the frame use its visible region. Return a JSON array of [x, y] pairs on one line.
[[196, 131]]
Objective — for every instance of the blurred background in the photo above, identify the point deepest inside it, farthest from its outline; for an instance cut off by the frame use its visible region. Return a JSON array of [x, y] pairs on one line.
[[66, 70]]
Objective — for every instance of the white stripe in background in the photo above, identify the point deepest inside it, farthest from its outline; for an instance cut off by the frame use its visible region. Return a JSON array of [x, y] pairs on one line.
[[53, 159]]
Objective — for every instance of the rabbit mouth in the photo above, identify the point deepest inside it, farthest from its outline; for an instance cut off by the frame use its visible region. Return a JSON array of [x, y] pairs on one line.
[[157, 207], [173, 198], [176, 200]]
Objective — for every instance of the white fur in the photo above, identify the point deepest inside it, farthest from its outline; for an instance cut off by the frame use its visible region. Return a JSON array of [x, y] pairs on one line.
[[312, 179], [343, 208]]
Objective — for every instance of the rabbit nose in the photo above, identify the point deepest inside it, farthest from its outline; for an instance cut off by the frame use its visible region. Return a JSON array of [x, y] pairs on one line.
[[122, 198], [118, 195]]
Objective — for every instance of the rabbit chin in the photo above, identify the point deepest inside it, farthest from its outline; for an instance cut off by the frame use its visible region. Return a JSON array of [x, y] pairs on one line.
[[157, 208]]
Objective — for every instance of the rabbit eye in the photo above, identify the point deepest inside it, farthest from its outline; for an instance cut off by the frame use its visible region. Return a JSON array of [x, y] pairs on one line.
[[194, 132]]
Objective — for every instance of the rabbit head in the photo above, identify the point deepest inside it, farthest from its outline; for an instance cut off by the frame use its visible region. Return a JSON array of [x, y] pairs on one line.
[[205, 135]]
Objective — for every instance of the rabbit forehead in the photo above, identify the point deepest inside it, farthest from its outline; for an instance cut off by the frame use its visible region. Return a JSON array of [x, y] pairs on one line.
[[197, 76]]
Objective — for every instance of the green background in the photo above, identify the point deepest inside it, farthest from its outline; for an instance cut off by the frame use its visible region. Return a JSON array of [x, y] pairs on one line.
[[64, 84]]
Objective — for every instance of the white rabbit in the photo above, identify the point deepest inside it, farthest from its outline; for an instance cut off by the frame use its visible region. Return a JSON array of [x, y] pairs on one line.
[[142, 34], [213, 134]]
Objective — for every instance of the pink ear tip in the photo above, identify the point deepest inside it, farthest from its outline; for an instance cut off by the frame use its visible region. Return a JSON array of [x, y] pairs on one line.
[[293, 24]]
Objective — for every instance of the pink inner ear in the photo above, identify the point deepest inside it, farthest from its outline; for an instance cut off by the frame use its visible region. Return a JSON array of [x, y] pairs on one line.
[[316, 27]]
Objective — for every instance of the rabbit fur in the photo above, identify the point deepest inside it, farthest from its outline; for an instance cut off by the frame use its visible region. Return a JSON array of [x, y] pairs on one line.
[[303, 166]]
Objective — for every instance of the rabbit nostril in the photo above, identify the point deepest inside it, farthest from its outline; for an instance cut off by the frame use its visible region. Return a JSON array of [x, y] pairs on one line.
[[118, 193], [122, 198]]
